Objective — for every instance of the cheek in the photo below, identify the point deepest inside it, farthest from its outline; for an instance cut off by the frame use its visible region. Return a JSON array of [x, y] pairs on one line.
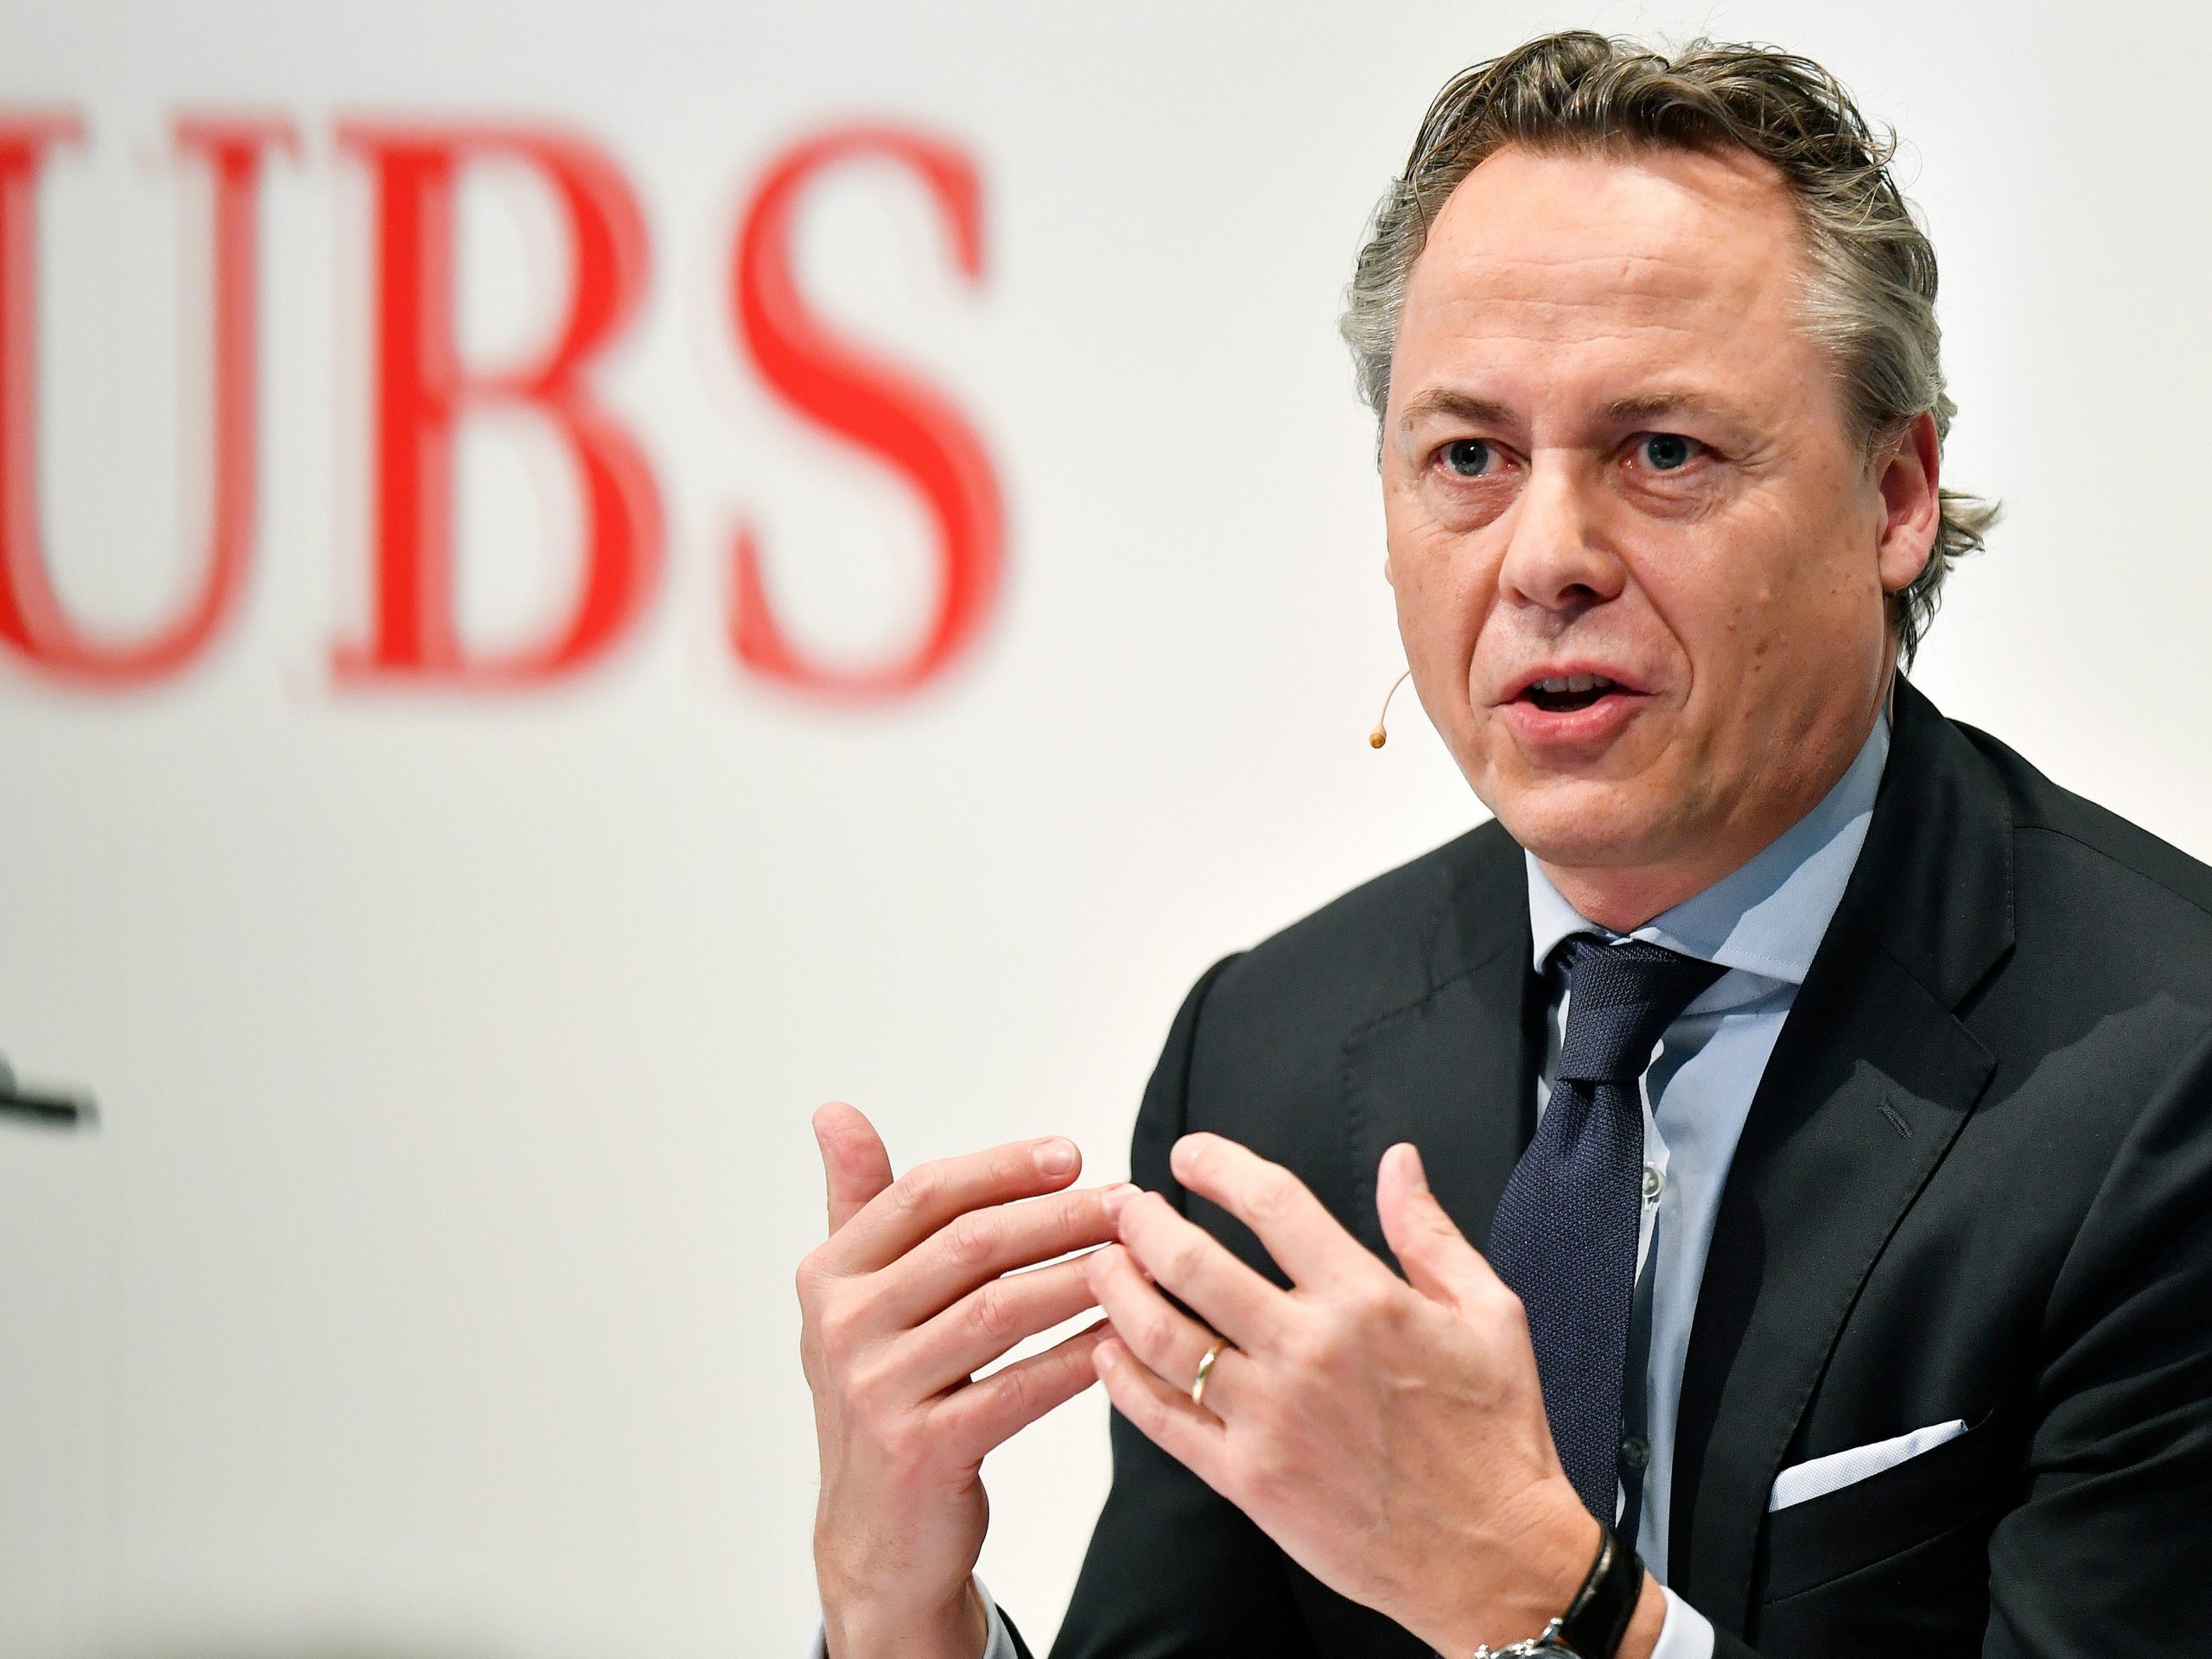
[[1443, 601], [1755, 582], [1775, 650], [1832, 602], [1437, 580]]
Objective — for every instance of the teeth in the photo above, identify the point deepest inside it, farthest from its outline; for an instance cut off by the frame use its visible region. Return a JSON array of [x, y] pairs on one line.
[[1563, 684]]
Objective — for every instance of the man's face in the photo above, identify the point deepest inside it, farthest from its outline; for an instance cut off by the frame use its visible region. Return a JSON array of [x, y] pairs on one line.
[[1612, 450]]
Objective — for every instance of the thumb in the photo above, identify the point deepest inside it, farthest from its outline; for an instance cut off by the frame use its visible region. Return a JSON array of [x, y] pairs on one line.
[[855, 1165], [1438, 1260]]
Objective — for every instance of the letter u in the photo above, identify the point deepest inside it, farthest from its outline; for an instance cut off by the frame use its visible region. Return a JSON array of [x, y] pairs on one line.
[[32, 620]]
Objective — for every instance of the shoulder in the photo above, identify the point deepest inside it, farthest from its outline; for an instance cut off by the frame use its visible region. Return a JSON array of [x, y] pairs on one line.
[[2099, 1016], [1258, 1050], [2092, 886], [1259, 1053], [1382, 946]]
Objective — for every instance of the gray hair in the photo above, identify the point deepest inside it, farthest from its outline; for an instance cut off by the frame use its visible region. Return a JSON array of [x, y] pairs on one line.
[[1870, 299]]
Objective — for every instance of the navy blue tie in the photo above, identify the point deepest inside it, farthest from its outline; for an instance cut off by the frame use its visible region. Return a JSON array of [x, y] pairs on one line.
[[1564, 1238]]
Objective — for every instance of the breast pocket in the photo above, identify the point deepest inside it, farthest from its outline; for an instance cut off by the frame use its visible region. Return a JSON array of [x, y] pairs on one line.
[[1950, 1488]]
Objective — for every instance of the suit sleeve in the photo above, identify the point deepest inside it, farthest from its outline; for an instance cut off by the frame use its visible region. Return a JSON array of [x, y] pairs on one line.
[[1174, 1571], [2108, 1550]]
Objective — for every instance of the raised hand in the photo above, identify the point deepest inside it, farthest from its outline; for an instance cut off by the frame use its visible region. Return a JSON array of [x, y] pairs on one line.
[[1390, 1435], [915, 1290]]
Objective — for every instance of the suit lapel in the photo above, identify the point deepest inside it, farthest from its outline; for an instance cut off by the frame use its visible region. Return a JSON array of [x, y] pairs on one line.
[[1453, 1073], [1867, 1087]]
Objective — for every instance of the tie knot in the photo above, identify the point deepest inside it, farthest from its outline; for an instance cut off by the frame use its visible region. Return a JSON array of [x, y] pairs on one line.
[[1621, 998]]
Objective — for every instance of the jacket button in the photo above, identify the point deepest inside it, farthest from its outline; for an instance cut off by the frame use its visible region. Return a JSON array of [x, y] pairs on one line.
[[1635, 1452]]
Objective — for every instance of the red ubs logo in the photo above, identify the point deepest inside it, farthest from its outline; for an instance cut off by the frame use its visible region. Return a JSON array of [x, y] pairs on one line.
[[422, 389]]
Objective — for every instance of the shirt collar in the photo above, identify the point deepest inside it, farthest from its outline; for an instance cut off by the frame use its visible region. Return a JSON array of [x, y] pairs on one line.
[[1767, 916]]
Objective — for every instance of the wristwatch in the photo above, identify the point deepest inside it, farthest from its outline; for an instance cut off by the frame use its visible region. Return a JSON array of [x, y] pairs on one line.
[[1594, 1622]]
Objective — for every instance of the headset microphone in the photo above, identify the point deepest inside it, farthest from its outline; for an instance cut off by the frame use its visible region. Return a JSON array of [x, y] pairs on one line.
[[1378, 737]]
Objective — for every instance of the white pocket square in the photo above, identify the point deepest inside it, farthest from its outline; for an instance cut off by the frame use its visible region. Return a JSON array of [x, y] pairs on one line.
[[1821, 1476]]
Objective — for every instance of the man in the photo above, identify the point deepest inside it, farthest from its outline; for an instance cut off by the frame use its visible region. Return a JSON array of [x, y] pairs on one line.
[[1828, 1091]]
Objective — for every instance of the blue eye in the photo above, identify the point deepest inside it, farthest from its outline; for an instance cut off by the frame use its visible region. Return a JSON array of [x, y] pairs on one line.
[[1665, 451], [1468, 457]]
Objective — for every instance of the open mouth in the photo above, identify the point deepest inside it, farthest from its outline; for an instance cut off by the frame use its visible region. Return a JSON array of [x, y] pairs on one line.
[[1568, 692]]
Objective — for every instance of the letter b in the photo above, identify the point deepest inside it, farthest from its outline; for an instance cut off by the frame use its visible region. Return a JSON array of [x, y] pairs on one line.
[[422, 389]]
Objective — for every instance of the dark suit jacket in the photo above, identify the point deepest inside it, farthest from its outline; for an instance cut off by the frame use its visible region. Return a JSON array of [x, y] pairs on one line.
[[1976, 1183]]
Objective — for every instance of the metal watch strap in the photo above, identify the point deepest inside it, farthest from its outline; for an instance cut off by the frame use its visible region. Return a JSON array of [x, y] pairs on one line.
[[1594, 1622]]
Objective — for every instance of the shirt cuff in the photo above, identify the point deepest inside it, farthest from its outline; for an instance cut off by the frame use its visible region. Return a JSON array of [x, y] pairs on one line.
[[1685, 1633], [999, 1645]]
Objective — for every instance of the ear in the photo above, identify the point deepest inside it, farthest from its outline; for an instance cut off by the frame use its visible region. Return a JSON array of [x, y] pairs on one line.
[[1910, 469]]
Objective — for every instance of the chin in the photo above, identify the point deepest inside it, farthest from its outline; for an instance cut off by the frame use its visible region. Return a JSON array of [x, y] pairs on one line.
[[1589, 825]]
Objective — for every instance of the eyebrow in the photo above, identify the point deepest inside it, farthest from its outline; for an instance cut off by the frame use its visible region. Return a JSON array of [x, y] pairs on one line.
[[1623, 411], [1451, 405], [1457, 405]]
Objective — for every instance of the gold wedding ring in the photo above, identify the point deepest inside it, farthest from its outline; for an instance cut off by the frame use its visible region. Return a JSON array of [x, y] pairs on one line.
[[1205, 1370]]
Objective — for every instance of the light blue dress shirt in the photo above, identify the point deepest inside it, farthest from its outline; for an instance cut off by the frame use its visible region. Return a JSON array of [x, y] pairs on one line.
[[1763, 924]]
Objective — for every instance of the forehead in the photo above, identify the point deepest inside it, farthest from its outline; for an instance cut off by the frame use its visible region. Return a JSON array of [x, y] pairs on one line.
[[1659, 260]]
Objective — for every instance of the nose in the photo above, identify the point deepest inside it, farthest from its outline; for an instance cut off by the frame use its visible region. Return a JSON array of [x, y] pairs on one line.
[[1557, 559]]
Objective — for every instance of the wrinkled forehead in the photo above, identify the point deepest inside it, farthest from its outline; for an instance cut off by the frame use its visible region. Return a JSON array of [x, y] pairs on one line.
[[1686, 254]]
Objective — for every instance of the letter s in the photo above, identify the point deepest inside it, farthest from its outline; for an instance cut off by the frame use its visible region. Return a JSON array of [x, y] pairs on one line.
[[873, 406]]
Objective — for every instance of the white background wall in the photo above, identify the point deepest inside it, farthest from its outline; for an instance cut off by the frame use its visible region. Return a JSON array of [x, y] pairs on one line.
[[427, 1291]]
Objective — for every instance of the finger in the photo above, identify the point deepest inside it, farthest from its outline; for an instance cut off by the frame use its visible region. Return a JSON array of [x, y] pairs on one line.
[[855, 1165], [981, 1325], [1305, 1239], [992, 1410], [1438, 1260], [1171, 1344], [1200, 1271], [1194, 1438], [973, 1248], [929, 1195]]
